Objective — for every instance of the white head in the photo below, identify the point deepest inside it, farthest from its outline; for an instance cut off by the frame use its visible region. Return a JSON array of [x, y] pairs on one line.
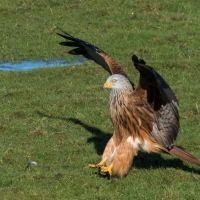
[[118, 82]]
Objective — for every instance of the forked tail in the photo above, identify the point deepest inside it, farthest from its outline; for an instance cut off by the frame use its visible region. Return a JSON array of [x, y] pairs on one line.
[[183, 154]]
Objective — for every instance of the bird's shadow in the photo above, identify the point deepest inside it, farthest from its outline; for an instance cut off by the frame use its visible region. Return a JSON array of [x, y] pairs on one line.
[[141, 161]]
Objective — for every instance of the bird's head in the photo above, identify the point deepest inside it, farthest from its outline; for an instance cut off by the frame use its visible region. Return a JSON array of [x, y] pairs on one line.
[[118, 82]]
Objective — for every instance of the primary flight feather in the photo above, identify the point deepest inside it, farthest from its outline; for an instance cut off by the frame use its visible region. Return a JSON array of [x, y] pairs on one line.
[[144, 116]]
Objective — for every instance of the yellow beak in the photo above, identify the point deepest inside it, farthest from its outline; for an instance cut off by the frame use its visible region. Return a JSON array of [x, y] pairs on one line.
[[107, 85]]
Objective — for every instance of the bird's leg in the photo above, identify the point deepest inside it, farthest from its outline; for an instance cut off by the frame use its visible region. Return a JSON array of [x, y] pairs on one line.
[[97, 165], [108, 151], [107, 169]]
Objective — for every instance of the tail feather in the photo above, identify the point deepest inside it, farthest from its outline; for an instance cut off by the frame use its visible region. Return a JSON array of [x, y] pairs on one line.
[[183, 154]]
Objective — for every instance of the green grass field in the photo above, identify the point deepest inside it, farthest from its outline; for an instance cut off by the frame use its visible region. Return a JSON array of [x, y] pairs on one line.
[[59, 116]]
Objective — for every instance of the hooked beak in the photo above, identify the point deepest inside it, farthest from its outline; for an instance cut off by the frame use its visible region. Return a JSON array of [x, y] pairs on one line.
[[107, 85]]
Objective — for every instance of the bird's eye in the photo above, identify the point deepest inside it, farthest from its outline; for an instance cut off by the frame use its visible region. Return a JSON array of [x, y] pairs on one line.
[[114, 80]]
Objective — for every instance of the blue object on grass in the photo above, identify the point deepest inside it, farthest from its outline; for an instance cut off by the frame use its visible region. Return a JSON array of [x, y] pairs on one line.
[[28, 65]]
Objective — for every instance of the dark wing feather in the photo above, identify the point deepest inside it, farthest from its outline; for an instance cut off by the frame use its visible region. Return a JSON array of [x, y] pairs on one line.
[[92, 52], [70, 44], [163, 102]]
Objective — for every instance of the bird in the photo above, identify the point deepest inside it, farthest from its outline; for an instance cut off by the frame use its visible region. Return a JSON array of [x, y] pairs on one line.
[[138, 127], [145, 116]]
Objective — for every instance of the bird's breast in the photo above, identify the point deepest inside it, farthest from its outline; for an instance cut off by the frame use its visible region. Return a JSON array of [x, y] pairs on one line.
[[124, 121]]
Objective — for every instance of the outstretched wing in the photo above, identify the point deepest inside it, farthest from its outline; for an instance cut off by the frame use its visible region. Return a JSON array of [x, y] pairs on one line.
[[91, 52], [163, 102]]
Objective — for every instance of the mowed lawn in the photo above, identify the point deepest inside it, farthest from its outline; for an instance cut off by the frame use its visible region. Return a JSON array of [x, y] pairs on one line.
[[59, 118]]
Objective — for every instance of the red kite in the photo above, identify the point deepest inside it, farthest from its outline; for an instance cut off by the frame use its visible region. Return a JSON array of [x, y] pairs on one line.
[[144, 116]]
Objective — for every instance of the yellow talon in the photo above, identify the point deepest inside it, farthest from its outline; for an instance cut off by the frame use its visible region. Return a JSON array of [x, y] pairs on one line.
[[108, 169], [96, 165]]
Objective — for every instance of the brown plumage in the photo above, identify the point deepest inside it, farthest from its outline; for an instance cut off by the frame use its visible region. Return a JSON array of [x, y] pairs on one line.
[[145, 117]]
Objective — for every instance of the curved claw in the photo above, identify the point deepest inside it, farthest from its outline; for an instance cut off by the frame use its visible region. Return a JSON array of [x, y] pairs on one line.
[[107, 169], [97, 165]]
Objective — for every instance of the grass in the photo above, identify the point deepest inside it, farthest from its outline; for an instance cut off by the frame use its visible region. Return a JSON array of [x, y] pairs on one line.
[[59, 117]]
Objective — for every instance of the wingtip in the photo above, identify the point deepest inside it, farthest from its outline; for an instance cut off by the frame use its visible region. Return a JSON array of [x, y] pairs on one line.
[[136, 60], [61, 29], [62, 43], [61, 35], [63, 32]]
